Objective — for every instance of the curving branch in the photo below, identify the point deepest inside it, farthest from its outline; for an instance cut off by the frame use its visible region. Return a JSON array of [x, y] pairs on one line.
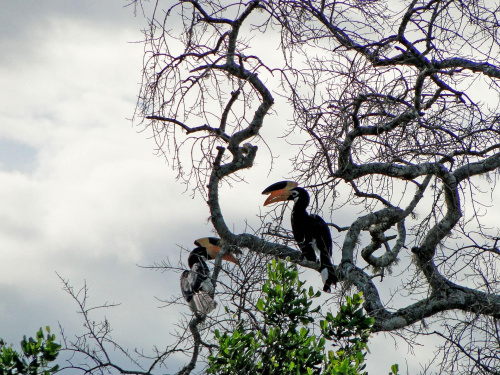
[[391, 125]]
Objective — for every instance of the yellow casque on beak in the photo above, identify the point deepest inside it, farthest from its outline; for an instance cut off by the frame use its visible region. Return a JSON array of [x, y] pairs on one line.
[[280, 191], [207, 242], [213, 246]]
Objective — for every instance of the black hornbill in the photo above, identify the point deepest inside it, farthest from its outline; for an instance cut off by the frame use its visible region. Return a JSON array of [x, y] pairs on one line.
[[310, 231], [196, 284]]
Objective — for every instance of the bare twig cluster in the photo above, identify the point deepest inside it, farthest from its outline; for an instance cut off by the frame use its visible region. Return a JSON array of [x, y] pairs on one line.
[[398, 105]]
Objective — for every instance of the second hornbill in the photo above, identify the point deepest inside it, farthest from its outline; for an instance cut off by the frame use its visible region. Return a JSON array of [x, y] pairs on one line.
[[196, 284], [310, 231]]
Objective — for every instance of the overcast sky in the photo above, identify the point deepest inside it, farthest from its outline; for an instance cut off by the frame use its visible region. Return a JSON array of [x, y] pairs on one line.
[[82, 192]]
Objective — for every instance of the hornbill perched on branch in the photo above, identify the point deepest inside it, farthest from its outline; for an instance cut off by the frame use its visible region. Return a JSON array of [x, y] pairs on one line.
[[310, 231], [196, 284]]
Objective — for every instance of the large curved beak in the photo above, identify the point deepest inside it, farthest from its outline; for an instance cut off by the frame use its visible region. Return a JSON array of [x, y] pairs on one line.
[[280, 191], [229, 258], [213, 246]]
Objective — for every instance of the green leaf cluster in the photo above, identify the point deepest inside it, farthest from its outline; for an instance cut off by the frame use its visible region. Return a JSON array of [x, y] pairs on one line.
[[286, 343], [350, 329], [37, 353]]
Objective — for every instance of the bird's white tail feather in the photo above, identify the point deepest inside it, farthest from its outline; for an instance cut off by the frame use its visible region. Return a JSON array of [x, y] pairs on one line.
[[208, 287], [324, 275], [316, 249], [202, 303]]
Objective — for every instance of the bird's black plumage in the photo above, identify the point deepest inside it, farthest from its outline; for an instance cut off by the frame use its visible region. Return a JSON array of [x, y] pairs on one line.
[[311, 234], [309, 231]]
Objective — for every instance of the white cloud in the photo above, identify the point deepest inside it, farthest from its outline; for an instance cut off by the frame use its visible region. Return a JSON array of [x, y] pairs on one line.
[[94, 201]]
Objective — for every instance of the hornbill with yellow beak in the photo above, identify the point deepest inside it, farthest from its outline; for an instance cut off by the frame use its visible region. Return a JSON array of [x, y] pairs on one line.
[[196, 284], [310, 231]]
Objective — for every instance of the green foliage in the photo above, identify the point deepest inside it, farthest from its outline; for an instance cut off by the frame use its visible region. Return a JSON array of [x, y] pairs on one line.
[[285, 343], [395, 369], [37, 354], [350, 329], [289, 346], [237, 352]]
